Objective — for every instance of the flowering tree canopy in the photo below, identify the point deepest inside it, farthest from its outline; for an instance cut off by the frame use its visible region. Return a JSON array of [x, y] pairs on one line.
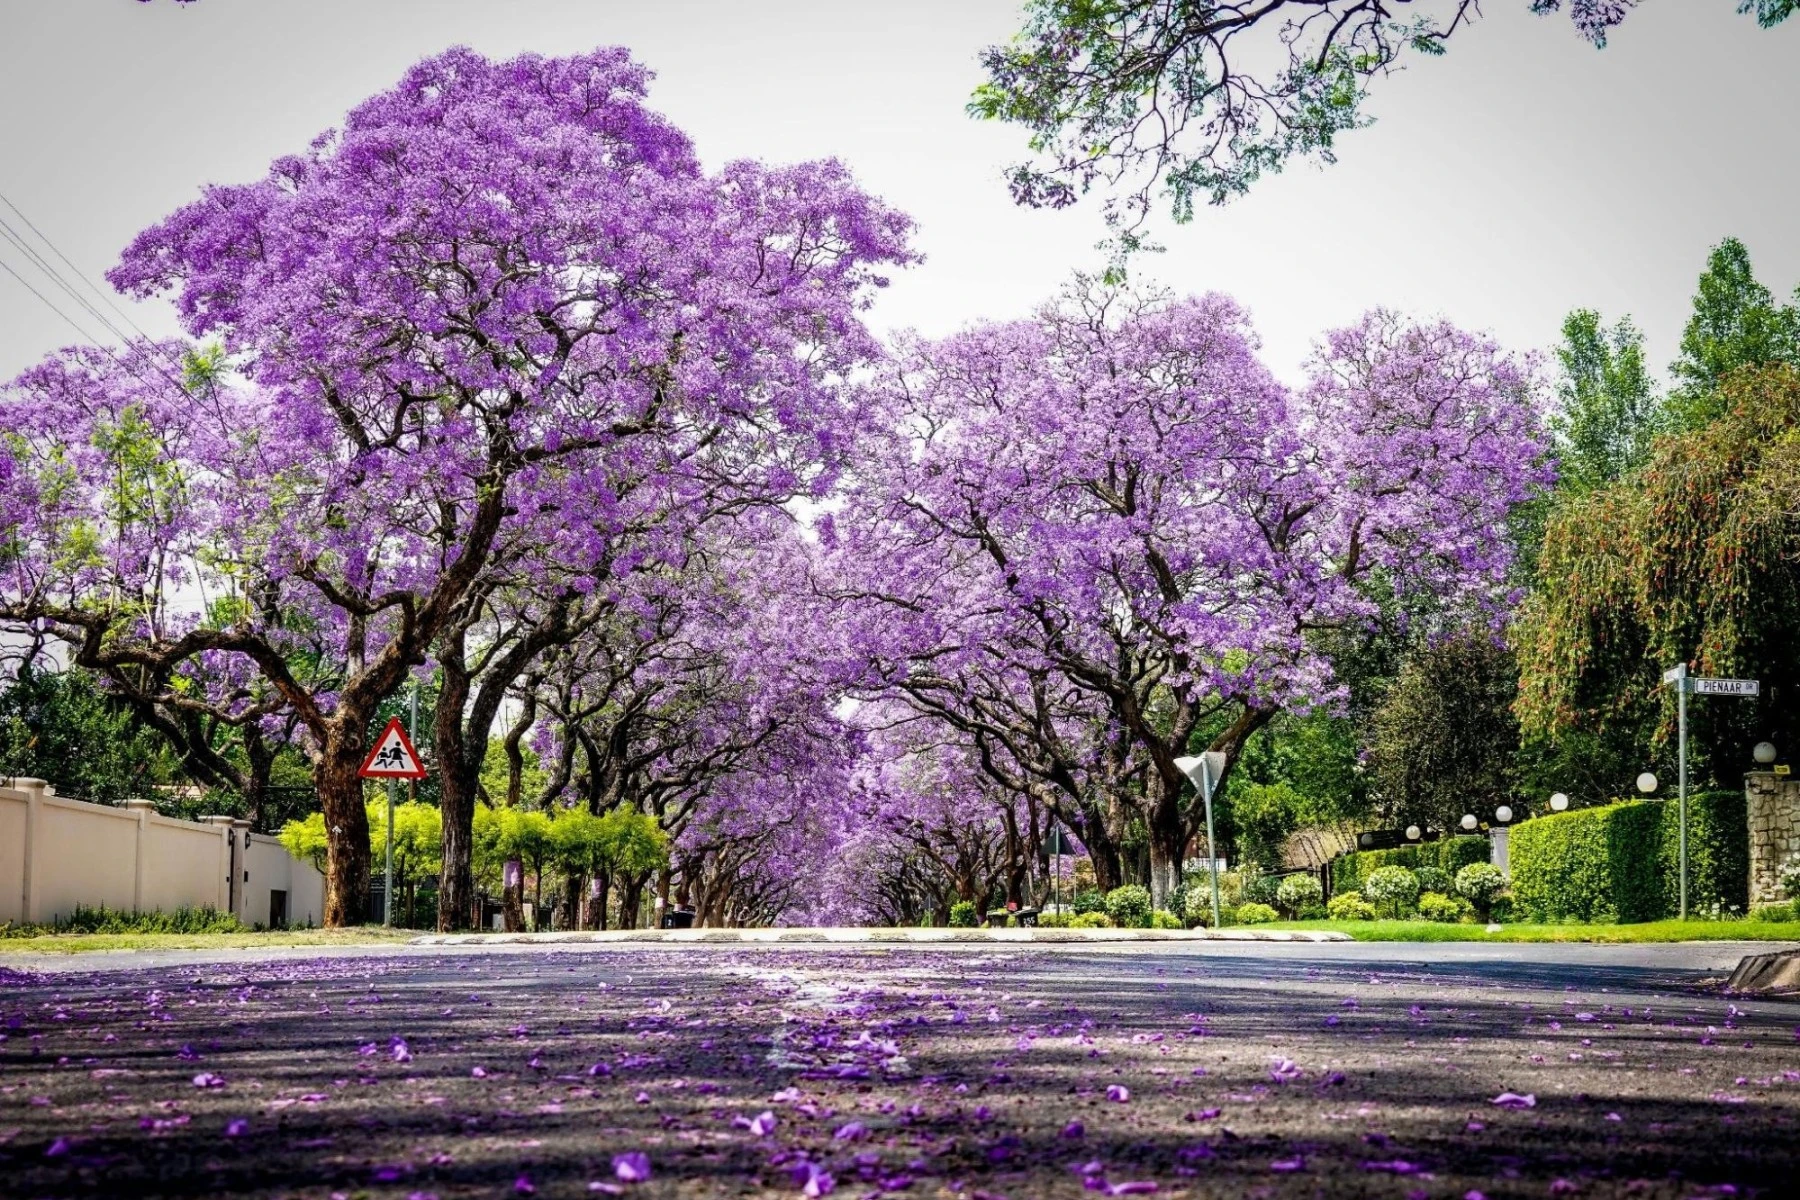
[[1110, 531], [459, 322]]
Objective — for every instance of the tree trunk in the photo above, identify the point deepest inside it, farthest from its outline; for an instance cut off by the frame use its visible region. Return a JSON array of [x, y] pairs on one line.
[[595, 917], [513, 895], [456, 797], [346, 823]]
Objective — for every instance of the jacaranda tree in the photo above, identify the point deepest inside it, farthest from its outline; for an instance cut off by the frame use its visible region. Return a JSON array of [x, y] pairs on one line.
[[497, 288], [1117, 498]]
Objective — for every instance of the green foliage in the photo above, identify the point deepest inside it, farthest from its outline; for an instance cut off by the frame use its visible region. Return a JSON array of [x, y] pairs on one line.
[[1091, 920], [1788, 871], [1349, 906], [1480, 884], [1256, 914], [418, 839], [496, 775], [1593, 864], [1435, 906], [1129, 906], [1718, 853], [1164, 919], [1736, 323], [962, 914], [1259, 888], [1297, 892], [1349, 871], [1433, 878], [112, 920], [305, 839], [1608, 409], [1445, 741], [61, 727], [1777, 913], [1088, 902], [1394, 887], [1263, 816]]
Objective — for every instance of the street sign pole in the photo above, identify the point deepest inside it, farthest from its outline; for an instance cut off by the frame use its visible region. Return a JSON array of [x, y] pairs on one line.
[[1205, 771], [1678, 675], [1681, 695], [387, 893]]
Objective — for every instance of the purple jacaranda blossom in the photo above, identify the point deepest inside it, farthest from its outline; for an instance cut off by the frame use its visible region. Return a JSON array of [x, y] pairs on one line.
[[1073, 1131], [761, 1125], [206, 1079], [1134, 1187], [1288, 1165], [631, 1167], [237, 1127], [1396, 1166], [58, 1148], [187, 1054], [1284, 1070], [812, 1179], [1514, 1100], [600, 1069], [1118, 1093], [523, 1186], [478, 1072], [399, 1051], [850, 1131]]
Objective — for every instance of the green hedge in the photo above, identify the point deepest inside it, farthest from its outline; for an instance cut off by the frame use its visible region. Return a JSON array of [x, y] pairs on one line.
[[1593, 864], [1449, 854], [1718, 853], [1621, 862]]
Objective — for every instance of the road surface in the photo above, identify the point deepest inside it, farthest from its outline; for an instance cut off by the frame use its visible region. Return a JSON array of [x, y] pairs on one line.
[[1196, 1069]]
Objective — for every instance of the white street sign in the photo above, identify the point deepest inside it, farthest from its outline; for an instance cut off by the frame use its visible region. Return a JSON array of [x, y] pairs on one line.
[[1726, 687]]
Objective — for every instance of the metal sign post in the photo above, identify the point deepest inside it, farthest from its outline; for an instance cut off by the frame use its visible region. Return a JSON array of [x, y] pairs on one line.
[[391, 758], [1685, 683], [1205, 771]]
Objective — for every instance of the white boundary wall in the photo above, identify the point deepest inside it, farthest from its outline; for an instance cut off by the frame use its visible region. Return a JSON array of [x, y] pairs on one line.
[[57, 853]]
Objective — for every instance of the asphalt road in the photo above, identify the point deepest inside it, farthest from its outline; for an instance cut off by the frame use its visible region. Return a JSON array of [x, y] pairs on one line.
[[1204, 1069]]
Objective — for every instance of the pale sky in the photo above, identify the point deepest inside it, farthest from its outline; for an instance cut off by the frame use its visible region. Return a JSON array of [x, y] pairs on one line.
[[1523, 174]]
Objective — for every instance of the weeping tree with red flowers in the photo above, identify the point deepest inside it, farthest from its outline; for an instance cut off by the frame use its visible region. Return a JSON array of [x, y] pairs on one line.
[[453, 327]]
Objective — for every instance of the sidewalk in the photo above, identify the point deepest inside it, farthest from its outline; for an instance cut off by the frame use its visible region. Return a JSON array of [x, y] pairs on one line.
[[885, 936]]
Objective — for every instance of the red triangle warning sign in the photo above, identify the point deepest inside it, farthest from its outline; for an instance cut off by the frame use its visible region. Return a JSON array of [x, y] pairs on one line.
[[393, 756]]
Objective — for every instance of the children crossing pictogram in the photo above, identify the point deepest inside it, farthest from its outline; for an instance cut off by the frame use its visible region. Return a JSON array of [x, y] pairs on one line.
[[393, 756]]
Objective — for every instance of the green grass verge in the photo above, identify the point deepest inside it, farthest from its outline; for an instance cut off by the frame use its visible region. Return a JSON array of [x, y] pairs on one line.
[[1648, 931], [76, 943]]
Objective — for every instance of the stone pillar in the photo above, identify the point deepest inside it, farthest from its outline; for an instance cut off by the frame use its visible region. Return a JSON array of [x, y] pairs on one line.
[[34, 790], [1772, 809]]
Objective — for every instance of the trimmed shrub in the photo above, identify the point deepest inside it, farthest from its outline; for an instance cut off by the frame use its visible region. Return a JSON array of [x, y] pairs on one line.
[[1593, 864], [1178, 899], [1349, 871], [1349, 907], [1394, 887], [1435, 906], [962, 914], [1162, 918], [1718, 853], [1480, 884], [1198, 906], [1052, 920], [1297, 892], [1261, 889], [1434, 879], [116, 920], [1090, 920], [1129, 906], [1087, 902], [1253, 913]]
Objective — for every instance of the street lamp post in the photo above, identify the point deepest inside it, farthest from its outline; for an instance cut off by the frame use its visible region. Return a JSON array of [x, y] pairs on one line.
[[1204, 771]]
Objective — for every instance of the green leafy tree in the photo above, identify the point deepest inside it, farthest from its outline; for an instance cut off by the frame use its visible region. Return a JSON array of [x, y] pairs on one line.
[[61, 727], [1608, 403], [418, 844], [1736, 323], [1446, 741], [305, 839]]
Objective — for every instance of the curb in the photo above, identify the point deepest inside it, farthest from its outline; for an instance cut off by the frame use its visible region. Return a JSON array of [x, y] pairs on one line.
[[918, 937], [1776, 974]]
